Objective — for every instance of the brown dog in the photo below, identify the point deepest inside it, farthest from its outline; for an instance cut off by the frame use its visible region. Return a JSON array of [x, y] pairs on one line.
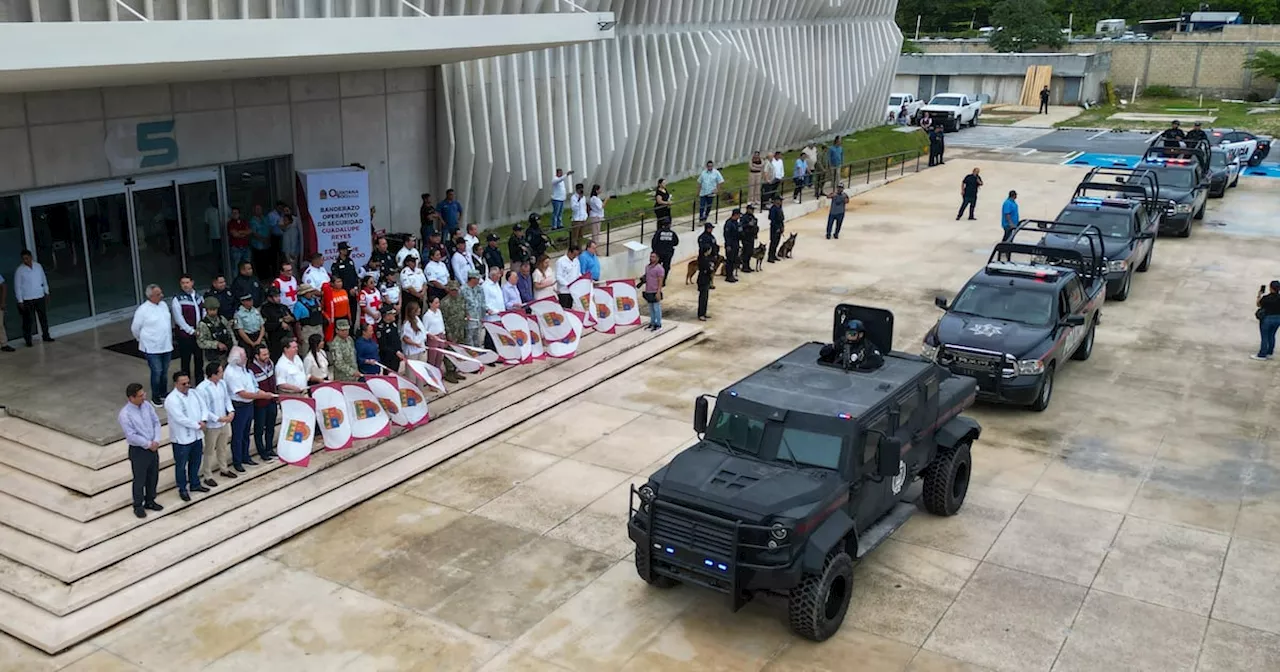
[[787, 247], [758, 256], [692, 269]]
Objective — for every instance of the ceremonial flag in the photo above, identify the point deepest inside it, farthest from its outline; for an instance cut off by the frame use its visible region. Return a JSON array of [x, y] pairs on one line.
[[580, 291], [297, 430], [429, 374], [517, 324], [388, 394], [626, 303], [465, 363], [602, 300], [413, 404], [567, 346], [333, 415], [509, 351], [552, 322], [368, 419], [535, 339]]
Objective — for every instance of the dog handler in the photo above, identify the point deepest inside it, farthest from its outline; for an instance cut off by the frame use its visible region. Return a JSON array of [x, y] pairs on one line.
[[707, 252]]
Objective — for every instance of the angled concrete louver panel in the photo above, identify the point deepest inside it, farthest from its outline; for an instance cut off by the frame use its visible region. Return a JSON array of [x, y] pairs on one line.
[[683, 81]]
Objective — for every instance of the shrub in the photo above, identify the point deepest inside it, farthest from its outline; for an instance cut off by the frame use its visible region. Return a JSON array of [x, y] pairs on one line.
[[1159, 91]]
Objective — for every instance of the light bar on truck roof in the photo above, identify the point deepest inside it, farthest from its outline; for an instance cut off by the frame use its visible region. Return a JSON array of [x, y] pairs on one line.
[[1168, 162]]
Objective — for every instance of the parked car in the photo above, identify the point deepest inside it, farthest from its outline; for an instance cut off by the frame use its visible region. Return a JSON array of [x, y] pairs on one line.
[[897, 100], [1251, 148], [1224, 171], [953, 110]]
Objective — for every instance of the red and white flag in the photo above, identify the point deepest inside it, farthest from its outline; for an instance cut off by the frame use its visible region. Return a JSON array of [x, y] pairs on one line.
[[428, 374], [626, 302], [387, 391], [568, 346], [368, 419], [509, 351], [297, 430], [552, 321], [535, 339], [580, 291], [517, 324], [602, 304], [333, 415]]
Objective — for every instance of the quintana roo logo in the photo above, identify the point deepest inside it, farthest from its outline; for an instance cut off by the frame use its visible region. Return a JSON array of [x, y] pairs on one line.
[[901, 478]]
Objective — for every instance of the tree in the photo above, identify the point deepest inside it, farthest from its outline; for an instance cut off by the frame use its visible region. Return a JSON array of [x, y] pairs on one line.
[[1023, 25], [1265, 63]]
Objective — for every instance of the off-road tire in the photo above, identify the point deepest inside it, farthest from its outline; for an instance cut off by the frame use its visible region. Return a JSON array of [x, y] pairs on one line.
[[1185, 233], [1124, 289], [1146, 263], [946, 480], [642, 568], [809, 606], [1045, 394], [1086, 347], [1200, 213]]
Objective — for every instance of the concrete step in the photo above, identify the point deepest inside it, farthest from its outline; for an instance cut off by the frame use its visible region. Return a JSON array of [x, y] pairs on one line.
[[56, 443], [72, 475], [148, 578]]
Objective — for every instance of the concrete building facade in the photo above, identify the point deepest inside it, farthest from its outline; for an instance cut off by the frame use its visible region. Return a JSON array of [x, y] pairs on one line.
[[121, 162], [999, 78]]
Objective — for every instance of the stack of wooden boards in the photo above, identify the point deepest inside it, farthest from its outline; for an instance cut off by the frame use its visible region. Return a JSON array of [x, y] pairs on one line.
[[1037, 78], [74, 560]]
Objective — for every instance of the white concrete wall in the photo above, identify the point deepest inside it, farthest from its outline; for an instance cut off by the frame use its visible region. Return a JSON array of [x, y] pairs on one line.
[[383, 119]]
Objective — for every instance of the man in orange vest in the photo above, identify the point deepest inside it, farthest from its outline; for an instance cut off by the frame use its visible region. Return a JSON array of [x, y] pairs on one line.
[[337, 306]]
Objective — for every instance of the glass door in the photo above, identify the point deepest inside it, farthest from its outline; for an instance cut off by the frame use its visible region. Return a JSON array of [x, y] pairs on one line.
[[202, 225], [57, 232], [108, 240], [158, 233]]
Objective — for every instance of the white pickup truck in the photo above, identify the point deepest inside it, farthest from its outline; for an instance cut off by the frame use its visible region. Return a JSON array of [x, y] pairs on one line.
[[953, 110], [897, 100]]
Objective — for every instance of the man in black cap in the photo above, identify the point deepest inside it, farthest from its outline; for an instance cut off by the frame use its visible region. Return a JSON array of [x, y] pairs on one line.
[[383, 256], [750, 230], [492, 255], [776, 227], [518, 250], [1173, 136], [707, 252], [664, 243], [246, 284], [277, 319], [387, 334], [343, 267], [732, 245], [1196, 134], [227, 301]]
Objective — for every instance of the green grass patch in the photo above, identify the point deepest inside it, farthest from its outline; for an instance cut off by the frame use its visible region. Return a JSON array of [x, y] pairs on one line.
[[1229, 115], [627, 209]]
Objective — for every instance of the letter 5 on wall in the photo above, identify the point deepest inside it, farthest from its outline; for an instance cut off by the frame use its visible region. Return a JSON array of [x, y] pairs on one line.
[[157, 144]]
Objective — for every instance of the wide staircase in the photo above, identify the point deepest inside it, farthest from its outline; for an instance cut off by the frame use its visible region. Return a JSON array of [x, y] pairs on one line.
[[74, 559]]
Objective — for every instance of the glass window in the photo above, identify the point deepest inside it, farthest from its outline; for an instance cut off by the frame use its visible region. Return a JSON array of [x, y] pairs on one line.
[[810, 448], [1003, 302], [740, 431], [871, 441], [1112, 223]]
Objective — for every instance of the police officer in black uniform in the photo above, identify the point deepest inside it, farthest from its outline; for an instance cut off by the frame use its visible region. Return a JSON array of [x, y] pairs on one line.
[[386, 260], [707, 253], [856, 353], [776, 227], [750, 230], [664, 242], [1196, 134], [343, 267], [707, 241], [518, 249], [536, 238], [387, 334], [226, 300], [732, 245], [492, 255], [1173, 136]]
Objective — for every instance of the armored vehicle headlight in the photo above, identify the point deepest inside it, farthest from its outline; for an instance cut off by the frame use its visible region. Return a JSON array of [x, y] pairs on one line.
[[929, 352], [1118, 265], [1030, 367], [778, 531], [647, 493]]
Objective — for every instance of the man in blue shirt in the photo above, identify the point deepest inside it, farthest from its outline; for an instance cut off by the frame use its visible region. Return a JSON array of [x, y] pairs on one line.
[[450, 211], [709, 182], [589, 261], [1009, 215], [835, 158]]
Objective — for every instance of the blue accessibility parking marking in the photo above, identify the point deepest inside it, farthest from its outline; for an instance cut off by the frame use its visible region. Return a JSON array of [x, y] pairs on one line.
[[1102, 160], [1264, 170]]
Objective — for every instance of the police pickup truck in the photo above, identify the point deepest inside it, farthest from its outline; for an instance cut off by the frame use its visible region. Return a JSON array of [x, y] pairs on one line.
[[1019, 319], [802, 469], [1121, 204], [1183, 174]]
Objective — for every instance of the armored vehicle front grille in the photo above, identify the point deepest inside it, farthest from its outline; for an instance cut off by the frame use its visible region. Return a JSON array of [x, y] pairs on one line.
[[671, 528]]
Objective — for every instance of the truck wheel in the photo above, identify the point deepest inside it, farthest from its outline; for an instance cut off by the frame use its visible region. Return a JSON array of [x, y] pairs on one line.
[[1200, 212], [1235, 181], [816, 607], [656, 580], [1086, 348], [1046, 391], [1146, 263], [1124, 289], [946, 480], [1185, 233]]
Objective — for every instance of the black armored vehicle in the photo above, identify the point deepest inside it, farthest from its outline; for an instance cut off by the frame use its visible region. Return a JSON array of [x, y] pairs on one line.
[[803, 468], [1121, 204], [1029, 310], [1183, 174]]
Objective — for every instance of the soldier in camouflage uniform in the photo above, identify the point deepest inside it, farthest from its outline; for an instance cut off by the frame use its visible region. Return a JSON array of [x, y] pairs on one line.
[[342, 353], [454, 313], [213, 332], [473, 298]]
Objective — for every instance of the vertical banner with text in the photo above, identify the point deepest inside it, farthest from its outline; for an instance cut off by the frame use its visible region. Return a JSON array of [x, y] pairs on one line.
[[334, 204]]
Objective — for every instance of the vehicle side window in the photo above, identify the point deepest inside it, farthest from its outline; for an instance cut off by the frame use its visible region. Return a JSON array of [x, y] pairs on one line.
[[871, 440], [1075, 295], [1064, 308]]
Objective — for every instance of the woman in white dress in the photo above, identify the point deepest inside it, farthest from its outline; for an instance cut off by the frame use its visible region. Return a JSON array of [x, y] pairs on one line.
[[544, 279], [413, 336], [595, 211], [433, 325], [316, 362]]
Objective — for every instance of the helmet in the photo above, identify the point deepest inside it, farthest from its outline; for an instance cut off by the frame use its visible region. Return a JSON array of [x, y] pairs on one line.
[[853, 329], [533, 218]]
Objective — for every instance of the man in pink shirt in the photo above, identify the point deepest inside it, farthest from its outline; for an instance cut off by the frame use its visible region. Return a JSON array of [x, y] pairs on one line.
[[653, 276]]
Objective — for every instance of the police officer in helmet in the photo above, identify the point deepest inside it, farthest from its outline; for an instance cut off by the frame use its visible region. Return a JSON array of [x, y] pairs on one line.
[[856, 353]]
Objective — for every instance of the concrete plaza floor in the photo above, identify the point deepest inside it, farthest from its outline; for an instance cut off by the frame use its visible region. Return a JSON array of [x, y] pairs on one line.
[[1135, 525]]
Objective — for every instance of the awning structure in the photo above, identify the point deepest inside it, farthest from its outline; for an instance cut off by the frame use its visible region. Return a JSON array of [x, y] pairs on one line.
[[72, 55]]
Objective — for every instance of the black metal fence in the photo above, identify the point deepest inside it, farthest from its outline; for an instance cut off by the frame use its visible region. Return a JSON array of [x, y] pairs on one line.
[[638, 225]]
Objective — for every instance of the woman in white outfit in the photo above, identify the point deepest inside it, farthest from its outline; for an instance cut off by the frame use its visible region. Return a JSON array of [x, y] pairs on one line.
[[316, 362], [413, 335], [595, 211]]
